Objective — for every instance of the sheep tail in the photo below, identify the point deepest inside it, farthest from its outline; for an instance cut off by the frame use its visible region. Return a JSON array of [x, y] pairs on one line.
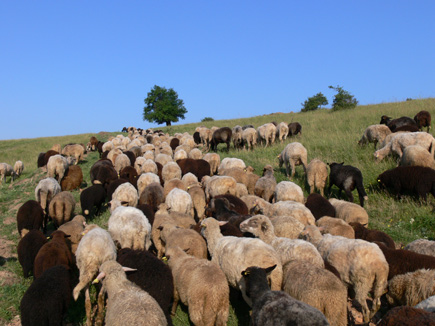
[[361, 191]]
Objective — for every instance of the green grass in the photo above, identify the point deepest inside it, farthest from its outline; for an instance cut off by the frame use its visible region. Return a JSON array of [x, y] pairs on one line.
[[331, 137]]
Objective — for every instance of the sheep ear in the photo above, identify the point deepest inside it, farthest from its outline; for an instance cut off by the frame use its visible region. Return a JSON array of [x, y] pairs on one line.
[[124, 203], [128, 269], [269, 269], [99, 278], [221, 223]]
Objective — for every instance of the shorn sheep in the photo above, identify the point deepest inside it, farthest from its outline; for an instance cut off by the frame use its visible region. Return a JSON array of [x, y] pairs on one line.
[[292, 155]]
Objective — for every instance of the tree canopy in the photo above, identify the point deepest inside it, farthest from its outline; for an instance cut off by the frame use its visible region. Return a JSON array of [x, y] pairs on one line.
[[343, 99], [163, 106], [314, 102]]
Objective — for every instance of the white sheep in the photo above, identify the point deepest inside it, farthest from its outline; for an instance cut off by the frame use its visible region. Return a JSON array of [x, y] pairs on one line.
[[75, 150], [198, 199], [361, 265], [317, 174], [45, 190], [287, 226], [265, 186], [180, 154], [293, 209], [374, 134], [189, 179], [108, 146], [163, 159], [5, 171], [292, 155], [266, 133], [126, 195], [146, 179], [180, 201], [18, 167], [415, 155], [130, 228], [428, 304], [349, 212], [287, 190], [121, 162], [171, 170], [195, 154], [282, 131], [249, 137], [57, 166], [219, 185], [231, 162], [234, 255]]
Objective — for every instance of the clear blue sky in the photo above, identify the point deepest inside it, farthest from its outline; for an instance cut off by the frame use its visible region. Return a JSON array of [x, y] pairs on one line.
[[70, 67]]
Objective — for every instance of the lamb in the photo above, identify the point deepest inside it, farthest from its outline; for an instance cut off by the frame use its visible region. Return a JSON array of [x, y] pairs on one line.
[[335, 226], [28, 248], [317, 287], [46, 300], [317, 174], [266, 133], [294, 128], [422, 246], [45, 190], [363, 233], [75, 150], [287, 190], [127, 304], [361, 265], [265, 186], [72, 179], [151, 275], [55, 252], [233, 255], [179, 201], [74, 229], [415, 155], [374, 134], [276, 308], [249, 138], [349, 212], [93, 196], [407, 316], [347, 178], [292, 155], [287, 249], [201, 285], [125, 195], [61, 208], [423, 119], [416, 179], [30, 216], [198, 200], [170, 171], [411, 288], [213, 160], [319, 206]]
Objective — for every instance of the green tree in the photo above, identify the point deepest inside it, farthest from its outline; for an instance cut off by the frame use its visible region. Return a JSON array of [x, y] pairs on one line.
[[163, 106], [314, 102], [343, 99]]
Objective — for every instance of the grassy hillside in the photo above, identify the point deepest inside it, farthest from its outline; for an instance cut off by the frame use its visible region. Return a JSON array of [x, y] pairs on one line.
[[331, 137]]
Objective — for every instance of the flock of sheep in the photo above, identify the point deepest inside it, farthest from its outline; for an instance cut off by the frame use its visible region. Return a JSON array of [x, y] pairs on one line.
[[218, 225]]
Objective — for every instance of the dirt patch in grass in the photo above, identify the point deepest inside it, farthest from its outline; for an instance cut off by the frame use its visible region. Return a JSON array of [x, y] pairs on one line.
[[6, 249]]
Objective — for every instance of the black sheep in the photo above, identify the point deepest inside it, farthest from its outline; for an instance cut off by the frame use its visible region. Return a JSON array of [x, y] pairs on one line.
[[148, 212], [199, 167], [131, 156], [47, 299], [196, 138], [347, 178], [235, 204], [319, 206], [415, 179], [30, 216], [93, 196], [423, 119], [100, 148], [393, 124], [361, 232], [174, 143], [129, 173], [276, 308], [41, 160], [221, 135], [103, 172], [294, 128], [28, 248], [247, 126], [152, 275], [407, 316], [410, 128], [227, 229]]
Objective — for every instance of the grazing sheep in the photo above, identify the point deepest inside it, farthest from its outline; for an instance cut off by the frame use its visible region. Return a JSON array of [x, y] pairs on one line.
[[61, 208], [230, 162], [423, 119], [75, 150], [213, 160], [93, 196], [200, 168], [282, 131], [292, 155], [276, 308], [249, 138], [130, 228], [287, 190], [287, 226], [374, 134], [103, 172], [361, 265], [411, 288], [237, 136], [221, 135], [74, 229], [72, 179], [265, 186], [55, 252], [335, 226], [171, 170], [198, 200], [349, 212], [18, 168], [47, 156], [46, 300], [201, 285], [129, 173], [146, 179], [151, 275], [30, 216], [294, 128], [233, 255], [407, 316], [361, 232], [127, 303], [317, 287], [415, 155], [179, 201], [416, 179], [290, 208], [319, 206], [393, 124], [45, 190], [266, 133], [121, 161], [422, 246], [189, 179], [173, 183], [28, 248], [152, 195], [125, 195], [163, 159], [57, 166], [317, 174], [219, 185]]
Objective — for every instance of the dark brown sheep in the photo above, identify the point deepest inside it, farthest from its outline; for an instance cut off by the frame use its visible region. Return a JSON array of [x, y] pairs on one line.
[[294, 128], [361, 232], [30, 216], [152, 195], [129, 173], [103, 172], [93, 196], [221, 135], [174, 143], [423, 119], [28, 248], [319, 206], [393, 124], [47, 156], [407, 316], [199, 167], [72, 179]]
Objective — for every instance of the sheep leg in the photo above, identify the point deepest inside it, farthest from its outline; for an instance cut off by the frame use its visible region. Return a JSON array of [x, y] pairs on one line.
[[348, 194], [175, 303], [101, 297], [361, 291], [88, 307]]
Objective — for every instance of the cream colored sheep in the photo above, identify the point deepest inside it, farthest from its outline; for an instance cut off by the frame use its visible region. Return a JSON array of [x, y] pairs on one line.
[[287, 190], [317, 175], [45, 190], [145, 179], [57, 166], [108, 146], [220, 185], [5, 171], [249, 137], [171, 170], [75, 150], [113, 154], [266, 133], [422, 246], [179, 201], [374, 134], [125, 195], [163, 159], [349, 212], [121, 162], [244, 176], [74, 229], [290, 208], [195, 154], [415, 155], [230, 162], [18, 167], [287, 226], [265, 186], [173, 183], [335, 226], [148, 147], [189, 179], [180, 154], [282, 131], [214, 160], [292, 155], [197, 194], [61, 208]]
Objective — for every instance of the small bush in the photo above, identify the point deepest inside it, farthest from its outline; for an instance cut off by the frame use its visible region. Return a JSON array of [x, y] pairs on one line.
[[207, 119]]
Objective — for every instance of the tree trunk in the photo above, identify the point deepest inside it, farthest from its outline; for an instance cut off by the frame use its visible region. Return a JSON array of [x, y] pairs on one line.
[[168, 123]]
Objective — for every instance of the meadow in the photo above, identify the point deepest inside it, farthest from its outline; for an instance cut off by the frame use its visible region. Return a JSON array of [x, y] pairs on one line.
[[329, 136]]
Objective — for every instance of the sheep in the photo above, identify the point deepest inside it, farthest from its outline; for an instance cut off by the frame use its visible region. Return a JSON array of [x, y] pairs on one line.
[[201, 285], [237, 136], [93, 196], [244, 176], [363, 233], [407, 316], [129, 173], [46, 300], [335, 226], [103, 172], [287, 249], [163, 159], [249, 138], [266, 133], [28, 248], [292, 155], [265, 186], [95, 248], [171, 170], [180, 154], [428, 304], [233, 255], [18, 168], [129, 228], [230, 162], [287, 190], [287, 226], [47, 156], [402, 140], [361, 265], [195, 154], [347, 178], [282, 131], [125, 195], [415, 155], [319, 206], [219, 185], [349, 212], [189, 179], [61, 208], [423, 119], [374, 134], [317, 174], [198, 200], [221, 135], [121, 161], [290, 208], [173, 183], [127, 303], [200, 167], [145, 179], [276, 308], [45, 190], [411, 288], [30, 216], [75, 150], [151, 275], [57, 166], [72, 179], [294, 128], [393, 124], [74, 229], [317, 287], [152, 195], [422, 246], [55, 252], [419, 180], [179, 201]]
